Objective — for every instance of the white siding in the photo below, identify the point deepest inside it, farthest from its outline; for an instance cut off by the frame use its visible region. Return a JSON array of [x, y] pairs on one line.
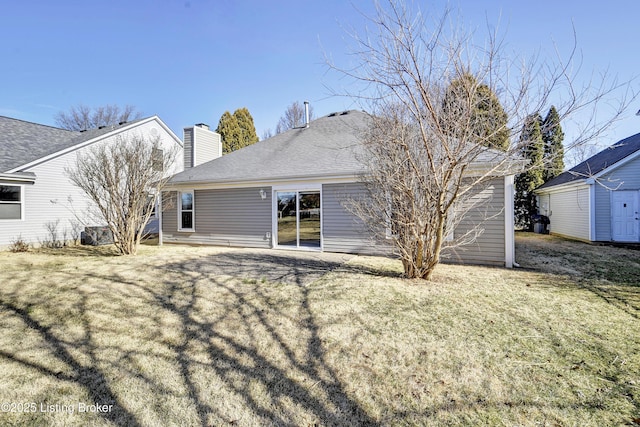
[[569, 212], [53, 198], [626, 177], [208, 145]]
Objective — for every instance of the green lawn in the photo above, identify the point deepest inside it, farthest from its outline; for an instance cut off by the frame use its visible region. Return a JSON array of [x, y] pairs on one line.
[[167, 340]]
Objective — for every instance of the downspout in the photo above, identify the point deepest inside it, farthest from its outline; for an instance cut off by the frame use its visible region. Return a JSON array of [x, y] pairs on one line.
[[159, 210], [509, 223]]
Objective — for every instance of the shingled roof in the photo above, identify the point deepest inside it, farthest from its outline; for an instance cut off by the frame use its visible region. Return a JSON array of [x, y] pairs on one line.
[[598, 163], [329, 146], [23, 142]]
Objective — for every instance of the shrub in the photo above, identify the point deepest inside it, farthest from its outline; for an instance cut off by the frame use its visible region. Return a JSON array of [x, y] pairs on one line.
[[18, 245]]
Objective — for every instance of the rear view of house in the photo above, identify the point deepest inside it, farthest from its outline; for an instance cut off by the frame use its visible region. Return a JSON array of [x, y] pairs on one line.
[[599, 199], [292, 191]]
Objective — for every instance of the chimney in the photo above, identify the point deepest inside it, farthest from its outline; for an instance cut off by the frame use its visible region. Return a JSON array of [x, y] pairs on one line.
[[200, 145], [306, 114]]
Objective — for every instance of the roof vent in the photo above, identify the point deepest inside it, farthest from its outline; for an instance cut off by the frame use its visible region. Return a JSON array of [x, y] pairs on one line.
[[332, 115], [344, 113], [122, 122], [101, 127]]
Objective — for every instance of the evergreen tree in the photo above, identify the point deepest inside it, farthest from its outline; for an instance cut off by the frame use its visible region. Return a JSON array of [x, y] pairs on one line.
[[533, 150], [237, 130], [471, 110], [552, 136]]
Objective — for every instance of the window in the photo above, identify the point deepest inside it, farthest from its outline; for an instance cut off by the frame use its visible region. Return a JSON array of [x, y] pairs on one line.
[[157, 160], [185, 211], [10, 202]]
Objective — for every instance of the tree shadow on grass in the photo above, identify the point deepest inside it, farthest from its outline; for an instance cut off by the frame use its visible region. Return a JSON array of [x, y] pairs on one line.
[[288, 366], [246, 337]]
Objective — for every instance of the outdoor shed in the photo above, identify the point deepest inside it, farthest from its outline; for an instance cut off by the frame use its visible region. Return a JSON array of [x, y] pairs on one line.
[[291, 191], [599, 199]]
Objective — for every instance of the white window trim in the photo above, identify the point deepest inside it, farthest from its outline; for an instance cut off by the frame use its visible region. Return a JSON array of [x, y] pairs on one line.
[[21, 203], [193, 210]]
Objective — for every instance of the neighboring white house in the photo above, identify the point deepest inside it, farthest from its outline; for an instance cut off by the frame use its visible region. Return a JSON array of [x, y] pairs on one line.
[[599, 199], [35, 193]]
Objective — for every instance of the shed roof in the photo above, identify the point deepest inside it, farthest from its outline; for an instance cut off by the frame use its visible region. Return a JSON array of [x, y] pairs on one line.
[[598, 163]]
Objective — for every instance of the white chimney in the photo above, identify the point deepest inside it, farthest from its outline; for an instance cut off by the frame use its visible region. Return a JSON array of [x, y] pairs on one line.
[[306, 114]]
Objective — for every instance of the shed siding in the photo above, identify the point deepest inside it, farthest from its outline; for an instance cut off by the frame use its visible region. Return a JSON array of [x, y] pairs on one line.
[[225, 217], [569, 213], [626, 177], [342, 230], [53, 199], [485, 217]]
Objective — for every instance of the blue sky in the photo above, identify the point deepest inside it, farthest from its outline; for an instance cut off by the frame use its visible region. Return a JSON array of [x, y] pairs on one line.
[[189, 61]]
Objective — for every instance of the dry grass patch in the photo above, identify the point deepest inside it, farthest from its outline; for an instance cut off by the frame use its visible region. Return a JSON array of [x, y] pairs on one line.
[[170, 338]]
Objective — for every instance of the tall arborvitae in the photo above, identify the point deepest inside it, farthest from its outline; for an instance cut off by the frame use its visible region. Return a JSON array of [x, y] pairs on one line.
[[552, 136], [533, 150], [471, 110], [247, 127], [236, 130]]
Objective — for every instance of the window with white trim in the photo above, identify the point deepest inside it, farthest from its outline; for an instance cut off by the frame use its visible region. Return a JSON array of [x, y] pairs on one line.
[[10, 202], [185, 211]]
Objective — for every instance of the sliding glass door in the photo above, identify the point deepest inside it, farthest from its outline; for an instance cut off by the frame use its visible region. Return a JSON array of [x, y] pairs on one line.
[[298, 219]]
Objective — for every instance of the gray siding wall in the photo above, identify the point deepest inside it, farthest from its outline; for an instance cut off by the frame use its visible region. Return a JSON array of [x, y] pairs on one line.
[[225, 217], [485, 218], [343, 231], [169, 212], [188, 148], [626, 177], [569, 213]]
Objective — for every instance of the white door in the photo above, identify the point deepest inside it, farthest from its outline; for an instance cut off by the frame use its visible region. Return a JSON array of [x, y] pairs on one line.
[[625, 216]]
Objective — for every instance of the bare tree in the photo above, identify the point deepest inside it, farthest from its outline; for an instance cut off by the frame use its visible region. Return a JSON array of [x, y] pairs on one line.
[[81, 117], [123, 180], [428, 166], [293, 117]]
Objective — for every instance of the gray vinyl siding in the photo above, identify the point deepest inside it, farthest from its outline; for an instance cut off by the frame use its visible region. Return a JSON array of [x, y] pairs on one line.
[[343, 231], [169, 212], [188, 148], [626, 177], [225, 217], [569, 213], [485, 219]]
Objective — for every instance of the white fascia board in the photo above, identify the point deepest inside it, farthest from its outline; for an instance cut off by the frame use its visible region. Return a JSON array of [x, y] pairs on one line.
[[618, 164], [94, 140], [18, 177], [319, 180], [561, 187]]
